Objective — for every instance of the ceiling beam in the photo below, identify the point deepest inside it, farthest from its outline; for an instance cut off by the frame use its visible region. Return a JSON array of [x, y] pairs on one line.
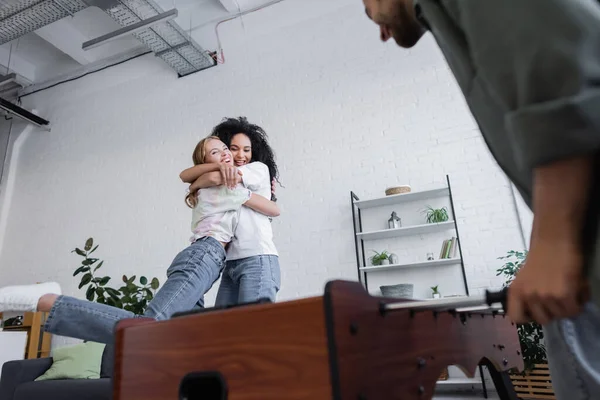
[[67, 38], [84, 70], [131, 29], [230, 5]]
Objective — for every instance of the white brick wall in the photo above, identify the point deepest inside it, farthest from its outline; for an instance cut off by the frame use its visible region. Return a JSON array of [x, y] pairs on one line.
[[344, 112]]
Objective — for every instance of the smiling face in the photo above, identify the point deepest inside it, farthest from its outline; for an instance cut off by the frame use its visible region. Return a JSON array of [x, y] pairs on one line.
[[241, 149], [397, 19], [216, 151]]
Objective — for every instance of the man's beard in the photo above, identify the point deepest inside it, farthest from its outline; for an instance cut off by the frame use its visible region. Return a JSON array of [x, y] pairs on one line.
[[406, 31], [407, 38]]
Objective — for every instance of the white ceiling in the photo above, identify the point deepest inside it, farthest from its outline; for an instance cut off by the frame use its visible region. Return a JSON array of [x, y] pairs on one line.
[[56, 48]]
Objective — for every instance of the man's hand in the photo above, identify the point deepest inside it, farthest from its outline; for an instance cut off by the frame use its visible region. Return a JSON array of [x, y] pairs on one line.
[[549, 286], [231, 175]]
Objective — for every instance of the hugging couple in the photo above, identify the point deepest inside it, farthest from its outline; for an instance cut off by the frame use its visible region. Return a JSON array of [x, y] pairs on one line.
[[231, 195]]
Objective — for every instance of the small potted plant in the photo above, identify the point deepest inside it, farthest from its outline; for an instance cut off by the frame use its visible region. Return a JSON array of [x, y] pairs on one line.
[[436, 215], [382, 258], [435, 293]]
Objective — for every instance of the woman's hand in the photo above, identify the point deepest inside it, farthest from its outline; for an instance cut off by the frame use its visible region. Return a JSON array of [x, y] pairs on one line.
[[231, 175]]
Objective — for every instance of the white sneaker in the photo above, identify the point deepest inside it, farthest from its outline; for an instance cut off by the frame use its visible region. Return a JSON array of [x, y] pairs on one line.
[[25, 298]]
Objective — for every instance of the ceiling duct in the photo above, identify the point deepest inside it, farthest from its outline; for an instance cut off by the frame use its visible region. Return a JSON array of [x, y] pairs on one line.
[[27, 16], [166, 39]]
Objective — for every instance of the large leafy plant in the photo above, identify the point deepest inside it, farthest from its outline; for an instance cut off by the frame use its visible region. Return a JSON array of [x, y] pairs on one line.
[[531, 334], [130, 296]]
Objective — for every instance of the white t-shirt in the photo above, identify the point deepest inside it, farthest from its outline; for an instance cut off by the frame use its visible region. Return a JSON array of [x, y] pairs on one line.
[[217, 212], [253, 235]]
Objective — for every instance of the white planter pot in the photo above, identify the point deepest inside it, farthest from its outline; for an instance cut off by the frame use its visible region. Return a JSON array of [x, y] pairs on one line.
[[385, 262], [437, 296]]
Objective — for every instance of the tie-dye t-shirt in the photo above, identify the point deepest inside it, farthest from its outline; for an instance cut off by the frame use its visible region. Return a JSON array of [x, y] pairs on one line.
[[217, 212]]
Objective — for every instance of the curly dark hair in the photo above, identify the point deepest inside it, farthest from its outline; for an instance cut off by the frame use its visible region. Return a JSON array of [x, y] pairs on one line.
[[261, 151]]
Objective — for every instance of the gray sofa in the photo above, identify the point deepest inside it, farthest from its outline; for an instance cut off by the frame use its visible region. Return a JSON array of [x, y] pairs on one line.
[[17, 381]]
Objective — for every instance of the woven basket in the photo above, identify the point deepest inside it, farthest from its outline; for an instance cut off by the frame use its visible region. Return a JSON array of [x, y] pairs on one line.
[[400, 291], [444, 375], [397, 190]]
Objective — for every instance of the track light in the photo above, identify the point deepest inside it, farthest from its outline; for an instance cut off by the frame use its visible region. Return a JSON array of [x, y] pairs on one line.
[[24, 114]]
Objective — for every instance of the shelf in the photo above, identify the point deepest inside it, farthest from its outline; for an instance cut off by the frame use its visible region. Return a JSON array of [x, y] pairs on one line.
[[402, 198], [431, 235], [407, 231], [434, 263]]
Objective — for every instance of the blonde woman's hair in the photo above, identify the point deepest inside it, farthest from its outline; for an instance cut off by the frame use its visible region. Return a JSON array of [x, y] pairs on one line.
[[198, 158]]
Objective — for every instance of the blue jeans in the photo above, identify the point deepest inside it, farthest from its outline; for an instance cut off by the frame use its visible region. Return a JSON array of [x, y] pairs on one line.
[[573, 347], [249, 279], [191, 274]]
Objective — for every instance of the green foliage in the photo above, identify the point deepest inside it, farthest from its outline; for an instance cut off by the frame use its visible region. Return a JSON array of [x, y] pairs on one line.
[[531, 335], [436, 215], [130, 296], [434, 289], [379, 257]]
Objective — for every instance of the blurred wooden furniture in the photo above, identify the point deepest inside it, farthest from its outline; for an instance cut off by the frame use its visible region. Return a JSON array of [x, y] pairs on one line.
[[38, 341], [341, 345]]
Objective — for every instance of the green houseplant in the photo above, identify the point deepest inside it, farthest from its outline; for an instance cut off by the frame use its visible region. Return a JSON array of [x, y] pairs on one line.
[[130, 296], [379, 258], [436, 215], [531, 334], [435, 293]]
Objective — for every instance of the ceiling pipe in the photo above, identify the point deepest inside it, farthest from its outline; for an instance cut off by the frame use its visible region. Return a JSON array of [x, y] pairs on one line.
[[219, 21]]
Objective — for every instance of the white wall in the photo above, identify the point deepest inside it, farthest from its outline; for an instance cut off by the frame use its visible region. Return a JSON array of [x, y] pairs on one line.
[[344, 112]]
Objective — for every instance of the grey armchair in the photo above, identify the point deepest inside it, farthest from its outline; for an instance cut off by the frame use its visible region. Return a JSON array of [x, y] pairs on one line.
[[17, 381]]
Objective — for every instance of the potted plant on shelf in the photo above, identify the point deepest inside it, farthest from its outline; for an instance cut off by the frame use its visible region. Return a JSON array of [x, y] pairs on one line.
[[435, 293], [436, 215], [536, 375], [382, 258]]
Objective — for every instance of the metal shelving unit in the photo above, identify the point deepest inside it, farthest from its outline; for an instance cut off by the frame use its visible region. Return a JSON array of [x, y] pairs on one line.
[[360, 237]]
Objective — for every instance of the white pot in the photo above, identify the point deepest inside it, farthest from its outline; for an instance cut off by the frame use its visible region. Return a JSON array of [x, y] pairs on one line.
[[385, 262], [437, 296]]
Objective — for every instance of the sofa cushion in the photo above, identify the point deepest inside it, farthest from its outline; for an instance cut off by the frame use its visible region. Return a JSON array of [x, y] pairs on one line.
[[81, 361], [65, 389], [106, 369]]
